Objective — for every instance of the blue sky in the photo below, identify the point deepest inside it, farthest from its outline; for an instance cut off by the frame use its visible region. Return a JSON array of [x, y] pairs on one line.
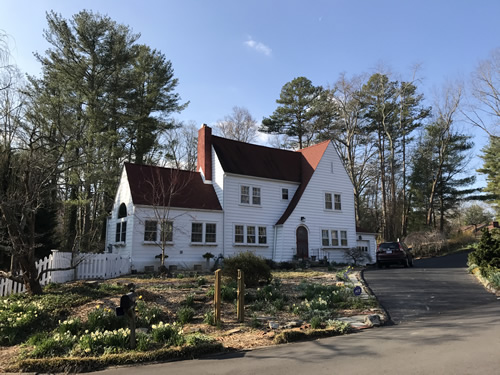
[[228, 53]]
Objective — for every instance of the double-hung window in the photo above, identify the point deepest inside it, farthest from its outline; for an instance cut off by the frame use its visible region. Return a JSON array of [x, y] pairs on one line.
[[262, 235], [328, 201], [333, 237], [245, 195], [239, 234], [203, 233], [167, 231], [250, 234], [337, 202], [284, 194], [333, 202], [250, 195], [343, 238], [121, 231], [256, 196], [150, 230]]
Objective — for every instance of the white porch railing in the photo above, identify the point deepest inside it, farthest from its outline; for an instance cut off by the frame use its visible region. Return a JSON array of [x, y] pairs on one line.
[[90, 266]]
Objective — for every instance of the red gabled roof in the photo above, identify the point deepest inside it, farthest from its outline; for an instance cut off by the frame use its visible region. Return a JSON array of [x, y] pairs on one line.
[[166, 187], [258, 161], [310, 159]]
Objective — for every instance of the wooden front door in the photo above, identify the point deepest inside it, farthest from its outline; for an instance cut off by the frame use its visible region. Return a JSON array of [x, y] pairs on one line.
[[302, 243]]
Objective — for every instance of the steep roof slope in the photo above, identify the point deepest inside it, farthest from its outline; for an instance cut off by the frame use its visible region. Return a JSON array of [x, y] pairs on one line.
[[311, 157], [166, 187], [257, 161]]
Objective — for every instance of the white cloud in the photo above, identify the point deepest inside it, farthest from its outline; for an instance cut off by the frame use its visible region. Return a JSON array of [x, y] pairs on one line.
[[259, 47]]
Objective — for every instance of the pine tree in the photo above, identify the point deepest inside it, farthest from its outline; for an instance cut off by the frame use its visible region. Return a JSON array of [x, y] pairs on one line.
[[299, 112]]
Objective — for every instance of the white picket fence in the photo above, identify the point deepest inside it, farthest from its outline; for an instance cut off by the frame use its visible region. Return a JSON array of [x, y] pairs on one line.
[[90, 266]]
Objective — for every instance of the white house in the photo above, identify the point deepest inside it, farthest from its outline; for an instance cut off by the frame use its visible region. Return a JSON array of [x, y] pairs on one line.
[[276, 203]]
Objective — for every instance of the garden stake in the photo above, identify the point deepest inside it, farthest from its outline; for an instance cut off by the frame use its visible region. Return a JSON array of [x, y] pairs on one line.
[[217, 296], [240, 308]]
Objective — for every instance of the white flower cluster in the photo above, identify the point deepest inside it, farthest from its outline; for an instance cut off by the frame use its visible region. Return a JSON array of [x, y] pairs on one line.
[[98, 335], [162, 325], [65, 336]]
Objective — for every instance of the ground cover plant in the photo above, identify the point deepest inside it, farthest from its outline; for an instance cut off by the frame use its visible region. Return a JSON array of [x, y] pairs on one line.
[[73, 322]]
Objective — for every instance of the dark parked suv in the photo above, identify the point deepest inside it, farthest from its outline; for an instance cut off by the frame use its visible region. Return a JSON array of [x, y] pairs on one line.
[[394, 253]]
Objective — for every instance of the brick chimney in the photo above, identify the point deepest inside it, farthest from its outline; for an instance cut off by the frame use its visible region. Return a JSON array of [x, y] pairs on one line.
[[205, 152]]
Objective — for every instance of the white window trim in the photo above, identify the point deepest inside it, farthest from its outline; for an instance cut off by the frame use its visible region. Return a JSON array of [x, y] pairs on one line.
[[203, 234], [330, 246], [288, 194], [333, 194], [121, 221], [250, 195], [245, 243], [158, 233]]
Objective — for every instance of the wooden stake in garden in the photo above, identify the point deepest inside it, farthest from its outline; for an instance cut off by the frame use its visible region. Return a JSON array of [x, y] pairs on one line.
[[240, 306], [217, 296]]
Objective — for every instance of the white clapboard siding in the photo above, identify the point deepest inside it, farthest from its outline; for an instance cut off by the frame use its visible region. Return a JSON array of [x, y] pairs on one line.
[[181, 252], [329, 176], [267, 214]]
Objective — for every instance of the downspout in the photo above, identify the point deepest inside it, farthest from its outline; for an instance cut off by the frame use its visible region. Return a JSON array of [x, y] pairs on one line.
[[274, 244], [223, 216]]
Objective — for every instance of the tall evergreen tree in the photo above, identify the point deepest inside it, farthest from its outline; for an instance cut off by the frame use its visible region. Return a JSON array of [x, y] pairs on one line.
[[117, 96], [299, 112], [378, 97], [491, 168]]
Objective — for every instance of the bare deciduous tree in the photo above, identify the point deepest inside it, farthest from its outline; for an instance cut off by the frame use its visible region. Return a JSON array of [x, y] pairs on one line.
[[162, 187], [239, 125], [181, 146], [486, 91]]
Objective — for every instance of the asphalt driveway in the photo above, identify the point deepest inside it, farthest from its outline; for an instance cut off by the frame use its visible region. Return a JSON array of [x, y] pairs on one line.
[[433, 287]]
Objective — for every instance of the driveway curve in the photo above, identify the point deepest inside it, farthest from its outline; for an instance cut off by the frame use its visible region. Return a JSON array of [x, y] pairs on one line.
[[438, 286]]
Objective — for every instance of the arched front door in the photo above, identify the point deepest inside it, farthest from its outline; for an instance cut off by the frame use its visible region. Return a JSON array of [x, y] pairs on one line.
[[302, 242]]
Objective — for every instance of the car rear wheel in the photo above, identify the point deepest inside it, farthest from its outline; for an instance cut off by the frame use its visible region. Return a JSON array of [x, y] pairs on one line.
[[406, 263]]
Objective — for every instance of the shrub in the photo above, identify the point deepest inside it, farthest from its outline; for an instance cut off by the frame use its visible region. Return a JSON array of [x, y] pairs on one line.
[[255, 268], [185, 315], [357, 255], [286, 266], [487, 253], [495, 279], [201, 281], [167, 334]]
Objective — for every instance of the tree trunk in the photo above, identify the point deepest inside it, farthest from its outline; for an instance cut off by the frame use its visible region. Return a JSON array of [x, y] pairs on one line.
[[30, 275]]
